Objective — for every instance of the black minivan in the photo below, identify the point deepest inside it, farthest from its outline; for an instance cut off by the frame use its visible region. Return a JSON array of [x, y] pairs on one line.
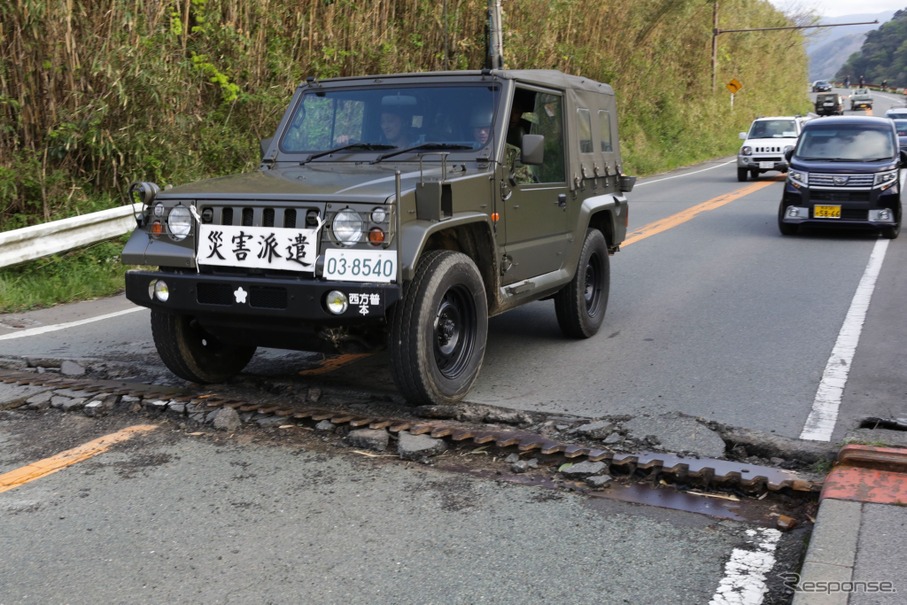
[[844, 172]]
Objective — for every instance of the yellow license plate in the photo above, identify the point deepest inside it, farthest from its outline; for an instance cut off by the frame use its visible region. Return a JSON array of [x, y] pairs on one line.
[[827, 212]]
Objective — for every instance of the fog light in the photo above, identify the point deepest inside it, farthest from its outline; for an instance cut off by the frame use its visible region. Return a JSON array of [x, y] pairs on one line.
[[161, 290], [793, 212], [336, 302], [883, 215]]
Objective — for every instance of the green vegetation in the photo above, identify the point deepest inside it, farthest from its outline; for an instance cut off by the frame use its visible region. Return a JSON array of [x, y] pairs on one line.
[[95, 96], [84, 274], [883, 56]]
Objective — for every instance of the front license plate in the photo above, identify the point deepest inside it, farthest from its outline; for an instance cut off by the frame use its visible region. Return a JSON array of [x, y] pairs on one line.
[[827, 212], [360, 265], [766, 165]]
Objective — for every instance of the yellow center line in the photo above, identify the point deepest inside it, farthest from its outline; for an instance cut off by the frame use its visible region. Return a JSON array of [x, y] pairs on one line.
[[42, 468], [664, 224]]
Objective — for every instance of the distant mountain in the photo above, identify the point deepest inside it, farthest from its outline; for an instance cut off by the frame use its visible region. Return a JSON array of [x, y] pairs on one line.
[[829, 48]]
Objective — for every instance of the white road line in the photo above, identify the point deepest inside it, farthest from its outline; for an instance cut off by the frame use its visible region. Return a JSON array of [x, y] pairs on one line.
[[820, 424], [744, 573], [677, 176], [72, 324]]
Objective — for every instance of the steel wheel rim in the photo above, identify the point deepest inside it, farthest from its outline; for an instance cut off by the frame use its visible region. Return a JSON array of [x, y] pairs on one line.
[[454, 332]]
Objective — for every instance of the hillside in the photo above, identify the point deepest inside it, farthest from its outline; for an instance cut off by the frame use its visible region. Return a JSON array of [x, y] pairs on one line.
[[829, 48]]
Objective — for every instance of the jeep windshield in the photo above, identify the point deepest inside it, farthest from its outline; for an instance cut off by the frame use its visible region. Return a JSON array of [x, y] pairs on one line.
[[847, 144], [385, 121]]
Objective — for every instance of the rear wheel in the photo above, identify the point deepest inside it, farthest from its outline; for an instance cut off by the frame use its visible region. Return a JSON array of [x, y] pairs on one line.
[[581, 304], [193, 354], [439, 330]]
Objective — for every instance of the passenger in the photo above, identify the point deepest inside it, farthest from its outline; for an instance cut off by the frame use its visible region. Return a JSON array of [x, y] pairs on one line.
[[394, 128], [481, 127]]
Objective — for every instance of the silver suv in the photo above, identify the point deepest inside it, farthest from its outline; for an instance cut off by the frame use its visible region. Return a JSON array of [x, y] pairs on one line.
[[766, 143]]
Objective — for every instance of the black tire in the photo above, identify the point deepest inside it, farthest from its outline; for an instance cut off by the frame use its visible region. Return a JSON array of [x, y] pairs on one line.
[[193, 354], [741, 174], [754, 174], [581, 304], [786, 228], [439, 329]]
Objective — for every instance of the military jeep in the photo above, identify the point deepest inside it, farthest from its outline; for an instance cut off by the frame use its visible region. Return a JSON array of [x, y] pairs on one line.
[[394, 211]]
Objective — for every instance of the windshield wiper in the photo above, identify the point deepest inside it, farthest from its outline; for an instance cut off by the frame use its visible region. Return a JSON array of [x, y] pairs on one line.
[[365, 146], [435, 145]]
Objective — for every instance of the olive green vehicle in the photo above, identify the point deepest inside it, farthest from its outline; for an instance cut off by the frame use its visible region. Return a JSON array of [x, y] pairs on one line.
[[394, 211]]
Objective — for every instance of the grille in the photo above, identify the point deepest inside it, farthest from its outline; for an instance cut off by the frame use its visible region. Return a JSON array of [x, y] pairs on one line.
[[840, 196], [247, 216], [767, 149], [828, 180]]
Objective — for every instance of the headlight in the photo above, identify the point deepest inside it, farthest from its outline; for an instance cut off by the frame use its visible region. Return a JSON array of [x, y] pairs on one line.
[[179, 222], [885, 179], [347, 226], [798, 177], [379, 215], [746, 150]]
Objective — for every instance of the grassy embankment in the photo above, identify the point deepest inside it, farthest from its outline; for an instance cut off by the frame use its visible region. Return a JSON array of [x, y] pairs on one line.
[[94, 98]]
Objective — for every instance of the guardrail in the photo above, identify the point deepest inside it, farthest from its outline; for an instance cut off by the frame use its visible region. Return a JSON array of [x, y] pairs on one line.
[[21, 245]]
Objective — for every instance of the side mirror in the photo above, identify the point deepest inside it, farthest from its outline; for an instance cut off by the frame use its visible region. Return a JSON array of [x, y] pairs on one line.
[[532, 149], [742, 136], [264, 144], [788, 155], [903, 154]]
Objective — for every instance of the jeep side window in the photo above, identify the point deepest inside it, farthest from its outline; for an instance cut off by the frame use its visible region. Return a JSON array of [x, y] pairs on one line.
[[604, 127], [584, 126], [549, 122]]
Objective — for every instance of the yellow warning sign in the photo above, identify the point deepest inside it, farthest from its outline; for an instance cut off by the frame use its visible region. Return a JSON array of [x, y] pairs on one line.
[[734, 85]]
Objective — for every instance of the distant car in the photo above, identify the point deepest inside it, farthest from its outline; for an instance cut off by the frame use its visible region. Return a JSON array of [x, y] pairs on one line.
[[860, 98], [900, 125], [829, 104], [821, 86], [765, 144], [896, 113], [843, 173]]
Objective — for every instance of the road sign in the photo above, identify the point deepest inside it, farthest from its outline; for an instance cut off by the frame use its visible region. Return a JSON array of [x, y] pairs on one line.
[[734, 85]]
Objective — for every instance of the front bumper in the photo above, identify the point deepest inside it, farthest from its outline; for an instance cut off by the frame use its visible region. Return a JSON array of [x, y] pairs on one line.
[[762, 164], [248, 297]]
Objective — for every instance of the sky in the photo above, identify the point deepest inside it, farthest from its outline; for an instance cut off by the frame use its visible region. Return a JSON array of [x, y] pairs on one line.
[[839, 8]]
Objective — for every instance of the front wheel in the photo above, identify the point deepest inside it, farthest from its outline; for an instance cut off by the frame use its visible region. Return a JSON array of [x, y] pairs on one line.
[[581, 304], [193, 354], [439, 329], [741, 174]]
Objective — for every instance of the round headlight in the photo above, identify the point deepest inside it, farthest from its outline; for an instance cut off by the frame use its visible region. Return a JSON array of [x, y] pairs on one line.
[[347, 226], [379, 215], [336, 302], [179, 222]]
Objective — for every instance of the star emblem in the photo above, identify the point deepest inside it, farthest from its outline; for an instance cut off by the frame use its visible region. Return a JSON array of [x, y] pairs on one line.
[[240, 295]]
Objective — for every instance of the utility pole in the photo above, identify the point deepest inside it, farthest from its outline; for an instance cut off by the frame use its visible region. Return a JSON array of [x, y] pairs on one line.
[[716, 32], [494, 58]]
